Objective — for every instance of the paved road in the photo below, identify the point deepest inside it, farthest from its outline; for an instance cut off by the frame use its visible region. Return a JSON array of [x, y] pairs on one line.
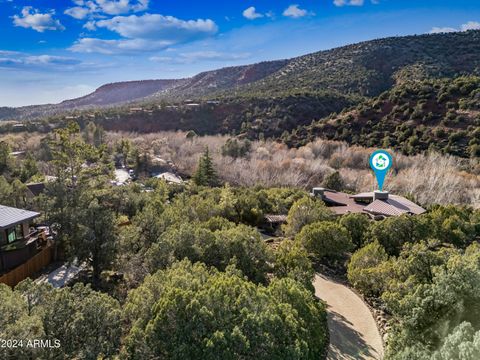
[[353, 332]]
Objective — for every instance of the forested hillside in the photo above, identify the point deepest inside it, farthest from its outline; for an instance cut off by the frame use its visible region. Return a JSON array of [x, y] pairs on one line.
[[365, 69], [371, 67], [442, 115]]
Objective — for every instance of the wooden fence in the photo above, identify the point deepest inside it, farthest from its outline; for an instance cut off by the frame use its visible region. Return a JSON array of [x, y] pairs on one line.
[[29, 268]]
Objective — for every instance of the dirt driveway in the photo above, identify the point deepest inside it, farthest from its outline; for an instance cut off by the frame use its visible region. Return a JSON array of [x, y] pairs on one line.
[[353, 332]]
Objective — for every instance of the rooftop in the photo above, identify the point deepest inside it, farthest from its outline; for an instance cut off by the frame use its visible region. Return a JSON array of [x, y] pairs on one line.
[[170, 178], [391, 205], [36, 188], [10, 216]]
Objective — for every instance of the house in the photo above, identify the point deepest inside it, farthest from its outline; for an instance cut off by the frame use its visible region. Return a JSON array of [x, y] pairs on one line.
[[18, 154], [376, 204], [35, 189], [170, 178], [19, 242], [273, 223]]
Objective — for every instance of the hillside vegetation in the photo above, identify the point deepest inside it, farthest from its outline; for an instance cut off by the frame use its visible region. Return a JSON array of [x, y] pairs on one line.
[[369, 68], [411, 93], [442, 115]]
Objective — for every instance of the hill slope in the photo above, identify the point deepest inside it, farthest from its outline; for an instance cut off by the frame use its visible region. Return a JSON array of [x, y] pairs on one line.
[[121, 92], [412, 93], [371, 67], [415, 116], [365, 69]]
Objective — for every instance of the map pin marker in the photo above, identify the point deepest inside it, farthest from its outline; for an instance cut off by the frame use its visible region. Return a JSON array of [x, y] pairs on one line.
[[380, 162]]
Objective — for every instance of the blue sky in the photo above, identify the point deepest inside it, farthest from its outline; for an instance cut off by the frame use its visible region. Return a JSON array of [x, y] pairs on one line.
[[61, 49]]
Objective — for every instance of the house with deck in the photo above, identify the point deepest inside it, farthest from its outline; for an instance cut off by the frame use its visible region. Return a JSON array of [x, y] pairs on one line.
[[24, 249]]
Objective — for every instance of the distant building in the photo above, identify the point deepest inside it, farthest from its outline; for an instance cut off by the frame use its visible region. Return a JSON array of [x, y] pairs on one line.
[[170, 178], [35, 189], [376, 204], [272, 223], [18, 154]]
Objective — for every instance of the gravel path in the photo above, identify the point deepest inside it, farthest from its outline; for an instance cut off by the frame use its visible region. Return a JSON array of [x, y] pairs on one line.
[[353, 332]]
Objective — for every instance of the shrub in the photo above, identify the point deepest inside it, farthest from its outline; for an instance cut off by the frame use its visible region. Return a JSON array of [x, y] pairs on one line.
[[325, 240], [192, 312], [306, 211]]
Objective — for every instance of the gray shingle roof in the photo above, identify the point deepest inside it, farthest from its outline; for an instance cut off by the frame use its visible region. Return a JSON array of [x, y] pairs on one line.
[[11, 216]]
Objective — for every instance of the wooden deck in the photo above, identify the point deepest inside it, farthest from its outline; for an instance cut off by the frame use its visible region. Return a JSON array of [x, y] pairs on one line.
[[29, 268]]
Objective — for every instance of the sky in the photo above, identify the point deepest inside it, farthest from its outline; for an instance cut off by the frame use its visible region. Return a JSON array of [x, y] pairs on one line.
[[61, 49]]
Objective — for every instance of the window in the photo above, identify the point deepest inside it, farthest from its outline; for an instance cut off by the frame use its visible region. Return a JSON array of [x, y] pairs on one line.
[[14, 234], [11, 235]]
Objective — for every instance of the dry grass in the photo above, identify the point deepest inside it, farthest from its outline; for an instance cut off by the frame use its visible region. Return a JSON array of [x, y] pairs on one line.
[[429, 178]]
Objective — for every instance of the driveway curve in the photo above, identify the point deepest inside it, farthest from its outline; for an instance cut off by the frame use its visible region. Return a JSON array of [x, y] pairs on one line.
[[353, 331]]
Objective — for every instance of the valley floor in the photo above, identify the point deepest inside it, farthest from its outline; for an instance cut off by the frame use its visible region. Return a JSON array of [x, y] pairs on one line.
[[353, 332]]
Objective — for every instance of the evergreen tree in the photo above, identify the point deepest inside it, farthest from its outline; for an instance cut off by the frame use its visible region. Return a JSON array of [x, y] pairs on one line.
[[206, 174]]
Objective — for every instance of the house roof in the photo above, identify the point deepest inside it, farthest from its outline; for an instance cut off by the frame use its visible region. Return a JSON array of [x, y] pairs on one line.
[[10, 216], [169, 177], [341, 203], [36, 188], [394, 205], [276, 219], [387, 208]]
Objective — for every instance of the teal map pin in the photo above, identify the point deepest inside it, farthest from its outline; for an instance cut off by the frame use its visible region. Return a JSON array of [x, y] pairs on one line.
[[380, 162]]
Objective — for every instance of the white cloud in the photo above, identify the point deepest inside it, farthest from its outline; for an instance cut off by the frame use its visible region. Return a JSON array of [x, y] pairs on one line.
[[96, 8], [251, 13], [78, 12], [31, 18], [149, 32], [122, 46], [471, 25], [18, 60], [90, 25], [156, 26], [195, 56], [295, 12], [351, 2]]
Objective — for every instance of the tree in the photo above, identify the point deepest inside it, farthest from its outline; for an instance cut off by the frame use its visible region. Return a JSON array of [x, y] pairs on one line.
[[5, 157], [69, 152], [451, 224], [124, 147], [325, 240], [86, 323], [29, 168], [357, 225], [292, 261], [432, 310], [240, 245], [205, 175], [192, 312], [97, 245], [306, 211], [365, 271], [5, 192], [235, 148], [19, 193], [395, 231], [334, 181]]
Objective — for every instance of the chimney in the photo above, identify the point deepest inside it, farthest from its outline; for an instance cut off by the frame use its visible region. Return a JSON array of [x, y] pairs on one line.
[[380, 195], [318, 192]]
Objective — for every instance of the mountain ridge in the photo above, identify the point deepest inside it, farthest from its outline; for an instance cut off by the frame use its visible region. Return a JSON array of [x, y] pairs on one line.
[[364, 69]]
